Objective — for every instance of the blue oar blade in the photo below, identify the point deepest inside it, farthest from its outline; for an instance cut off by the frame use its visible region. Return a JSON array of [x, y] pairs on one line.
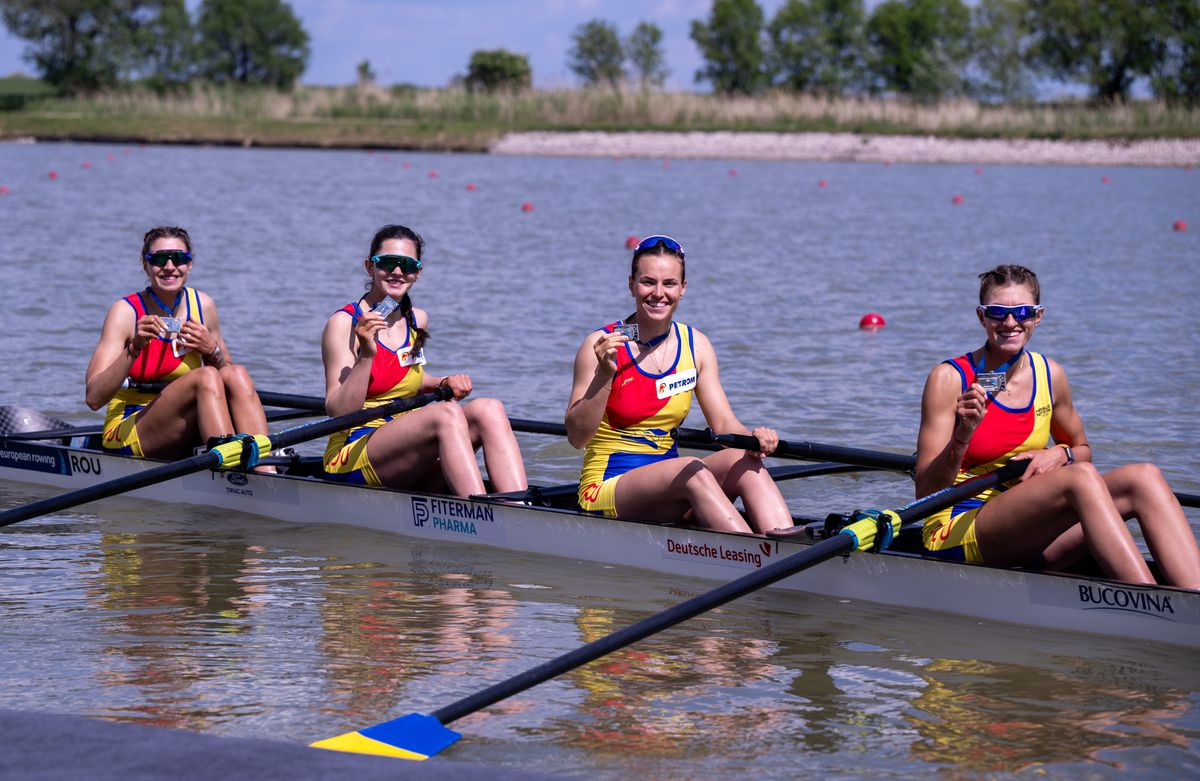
[[415, 736]]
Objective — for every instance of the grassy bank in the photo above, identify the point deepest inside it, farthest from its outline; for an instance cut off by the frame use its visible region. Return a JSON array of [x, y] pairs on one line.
[[454, 119]]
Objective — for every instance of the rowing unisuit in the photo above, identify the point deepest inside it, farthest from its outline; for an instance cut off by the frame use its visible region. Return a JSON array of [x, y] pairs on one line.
[[635, 429], [1003, 433], [156, 362], [395, 374]]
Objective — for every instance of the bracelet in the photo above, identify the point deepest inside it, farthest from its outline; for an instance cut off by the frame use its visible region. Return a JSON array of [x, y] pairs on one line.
[[443, 382], [217, 356]]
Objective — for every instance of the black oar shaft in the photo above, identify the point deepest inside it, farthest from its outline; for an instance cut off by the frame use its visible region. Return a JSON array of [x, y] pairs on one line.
[[210, 459], [815, 554], [841, 543], [806, 451]]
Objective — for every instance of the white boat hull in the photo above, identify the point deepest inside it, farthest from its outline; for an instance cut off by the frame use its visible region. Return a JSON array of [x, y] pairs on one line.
[[1059, 602]]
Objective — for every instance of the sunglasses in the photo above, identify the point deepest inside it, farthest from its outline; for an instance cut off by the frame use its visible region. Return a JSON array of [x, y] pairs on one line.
[[160, 258], [1020, 313], [390, 263], [650, 242]]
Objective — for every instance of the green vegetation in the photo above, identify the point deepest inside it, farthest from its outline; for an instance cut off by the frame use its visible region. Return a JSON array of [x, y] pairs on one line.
[[499, 70]]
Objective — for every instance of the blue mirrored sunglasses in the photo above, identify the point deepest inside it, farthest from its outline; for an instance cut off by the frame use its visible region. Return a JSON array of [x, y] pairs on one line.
[[389, 263], [1020, 313], [650, 242], [177, 256]]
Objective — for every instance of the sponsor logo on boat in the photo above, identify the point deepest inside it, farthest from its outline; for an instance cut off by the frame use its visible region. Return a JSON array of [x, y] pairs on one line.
[[35, 459], [1101, 596], [454, 516], [748, 556], [237, 484]]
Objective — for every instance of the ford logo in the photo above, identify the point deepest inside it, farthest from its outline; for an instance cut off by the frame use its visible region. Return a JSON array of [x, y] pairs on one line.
[[236, 478]]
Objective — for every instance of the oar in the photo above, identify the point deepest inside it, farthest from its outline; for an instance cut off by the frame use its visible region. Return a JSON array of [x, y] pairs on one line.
[[241, 452], [268, 398], [805, 451], [420, 736]]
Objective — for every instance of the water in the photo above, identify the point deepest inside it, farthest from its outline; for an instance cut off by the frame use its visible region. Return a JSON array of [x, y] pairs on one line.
[[240, 626]]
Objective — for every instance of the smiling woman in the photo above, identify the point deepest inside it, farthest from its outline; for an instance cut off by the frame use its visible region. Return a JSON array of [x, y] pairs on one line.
[[169, 333], [1003, 403], [373, 351], [633, 383]]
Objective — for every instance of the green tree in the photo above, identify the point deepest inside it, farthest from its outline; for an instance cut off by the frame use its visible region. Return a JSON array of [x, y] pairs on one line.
[[1177, 71], [366, 74], [498, 69], [1106, 44], [731, 43], [1000, 50], [596, 54], [819, 44], [920, 47], [167, 46], [646, 59], [78, 45], [252, 42]]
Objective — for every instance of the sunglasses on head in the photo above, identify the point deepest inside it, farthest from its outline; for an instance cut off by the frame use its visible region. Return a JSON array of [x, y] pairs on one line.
[[390, 263], [650, 242], [1020, 313], [160, 258]]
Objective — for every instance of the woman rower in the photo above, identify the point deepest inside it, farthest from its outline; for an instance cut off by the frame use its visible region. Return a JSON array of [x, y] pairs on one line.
[[1003, 402], [632, 386], [169, 333], [373, 353]]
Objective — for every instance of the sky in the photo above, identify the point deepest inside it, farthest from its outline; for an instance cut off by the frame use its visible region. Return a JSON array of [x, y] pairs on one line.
[[428, 42]]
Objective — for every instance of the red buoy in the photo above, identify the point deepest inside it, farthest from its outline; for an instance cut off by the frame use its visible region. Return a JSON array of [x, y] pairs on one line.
[[370, 151], [957, 199], [3, 190], [1104, 180], [432, 174], [1179, 226], [822, 184], [631, 241], [470, 187], [872, 320], [383, 158], [733, 172], [978, 171], [666, 163], [406, 165], [110, 157], [86, 164], [53, 175], [125, 151], [527, 206], [887, 163]]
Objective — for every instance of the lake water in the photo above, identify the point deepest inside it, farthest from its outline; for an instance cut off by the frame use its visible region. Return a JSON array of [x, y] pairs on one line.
[[241, 626]]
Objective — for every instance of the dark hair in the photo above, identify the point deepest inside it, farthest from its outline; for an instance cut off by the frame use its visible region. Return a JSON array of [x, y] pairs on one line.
[[659, 249], [406, 305], [164, 232], [1004, 275]]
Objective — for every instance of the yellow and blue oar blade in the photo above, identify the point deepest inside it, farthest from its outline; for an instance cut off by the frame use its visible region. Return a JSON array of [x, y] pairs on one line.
[[415, 736]]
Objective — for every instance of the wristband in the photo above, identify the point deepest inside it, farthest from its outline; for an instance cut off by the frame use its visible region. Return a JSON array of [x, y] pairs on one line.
[[1070, 455], [216, 356]]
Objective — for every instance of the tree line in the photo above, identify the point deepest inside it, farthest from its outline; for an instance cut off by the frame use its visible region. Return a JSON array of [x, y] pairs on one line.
[[924, 49], [88, 45]]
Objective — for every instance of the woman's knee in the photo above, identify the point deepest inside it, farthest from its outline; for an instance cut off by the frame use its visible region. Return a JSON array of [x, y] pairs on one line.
[[486, 411], [236, 378], [208, 379], [448, 418]]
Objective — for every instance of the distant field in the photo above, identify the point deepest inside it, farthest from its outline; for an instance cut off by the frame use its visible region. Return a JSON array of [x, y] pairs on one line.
[[454, 119]]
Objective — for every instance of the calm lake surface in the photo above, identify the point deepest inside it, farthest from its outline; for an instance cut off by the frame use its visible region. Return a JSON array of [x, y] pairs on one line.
[[241, 626]]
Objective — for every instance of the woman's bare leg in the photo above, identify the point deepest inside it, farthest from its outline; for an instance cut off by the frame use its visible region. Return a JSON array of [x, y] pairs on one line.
[[743, 474], [402, 450], [490, 429], [666, 490], [1140, 491], [187, 413]]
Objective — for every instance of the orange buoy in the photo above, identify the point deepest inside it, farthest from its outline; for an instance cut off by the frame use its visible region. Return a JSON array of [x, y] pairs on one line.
[[1104, 180], [527, 206], [470, 187], [822, 184], [872, 320], [1179, 226], [631, 241], [53, 175]]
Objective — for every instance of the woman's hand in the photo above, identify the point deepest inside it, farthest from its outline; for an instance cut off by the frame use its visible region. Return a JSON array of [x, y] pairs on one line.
[[968, 413], [459, 385], [367, 329], [1041, 461], [196, 336], [148, 327], [606, 352], [768, 440]]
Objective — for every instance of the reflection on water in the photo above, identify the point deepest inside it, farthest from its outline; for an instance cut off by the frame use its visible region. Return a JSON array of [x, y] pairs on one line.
[[237, 626]]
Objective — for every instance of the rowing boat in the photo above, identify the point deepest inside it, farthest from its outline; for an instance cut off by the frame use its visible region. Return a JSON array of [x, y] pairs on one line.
[[898, 577]]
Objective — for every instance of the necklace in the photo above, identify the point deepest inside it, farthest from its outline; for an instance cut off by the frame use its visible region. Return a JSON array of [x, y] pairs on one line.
[[656, 357], [170, 310]]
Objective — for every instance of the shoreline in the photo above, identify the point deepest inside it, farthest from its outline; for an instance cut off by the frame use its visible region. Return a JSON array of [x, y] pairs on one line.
[[700, 145], [851, 148]]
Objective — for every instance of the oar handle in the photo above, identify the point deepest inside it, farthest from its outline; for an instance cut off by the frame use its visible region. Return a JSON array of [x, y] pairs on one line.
[[805, 451], [268, 398]]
